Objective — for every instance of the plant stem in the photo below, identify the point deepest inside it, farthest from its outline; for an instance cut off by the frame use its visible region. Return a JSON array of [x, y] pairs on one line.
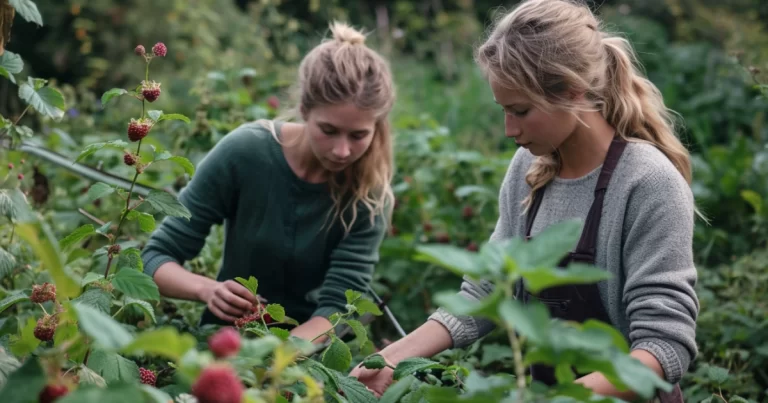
[[22, 115], [125, 213], [109, 264], [13, 232], [516, 351]]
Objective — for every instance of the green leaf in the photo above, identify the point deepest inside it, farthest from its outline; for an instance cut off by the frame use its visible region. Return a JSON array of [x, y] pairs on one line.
[[464, 191], [592, 326], [396, 391], [7, 263], [97, 191], [548, 247], [46, 100], [130, 258], [90, 377], [25, 343], [411, 365], [135, 284], [11, 64], [375, 361], [104, 228], [28, 10], [8, 364], [155, 395], [166, 203], [538, 279], [96, 298], [173, 116], [359, 329], [114, 92], [92, 148], [41, 239], [164, 342], [352, 296], [33, 379], [276, 311], [531, 320], [367, 306], [6, 74], [155, 115], [76, 236], [337, 356], [496, 353], [718, 375], [101, 327], [354, 390], [281, 333], [450, 257], [113, 367], [144, 305], [456, 304], [754, 200], [189, 168], [117, 392], [638, 377], [252, 284]]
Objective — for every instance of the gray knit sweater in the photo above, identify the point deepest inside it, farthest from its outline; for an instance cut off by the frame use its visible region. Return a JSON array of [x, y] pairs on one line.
[[644, 241]]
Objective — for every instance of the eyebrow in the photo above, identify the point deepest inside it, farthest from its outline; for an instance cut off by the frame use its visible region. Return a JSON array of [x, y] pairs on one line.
[[329, 125], [512, 104]]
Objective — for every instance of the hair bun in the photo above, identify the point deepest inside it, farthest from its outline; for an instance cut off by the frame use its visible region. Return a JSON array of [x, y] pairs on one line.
[[345, 33]]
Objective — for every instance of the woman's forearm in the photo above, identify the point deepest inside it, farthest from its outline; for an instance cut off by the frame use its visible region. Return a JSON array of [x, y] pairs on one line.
[[599, 384], [174, 281], [426, 341]]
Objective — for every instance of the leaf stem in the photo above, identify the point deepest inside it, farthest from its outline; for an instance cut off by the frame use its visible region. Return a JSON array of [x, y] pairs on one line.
[[22, 115], [109, 261], [127, 205], [13, 232], [43, 308]]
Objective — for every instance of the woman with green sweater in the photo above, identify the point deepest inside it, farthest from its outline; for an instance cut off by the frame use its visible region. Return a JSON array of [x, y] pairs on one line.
[[595, 143], [305, 205]]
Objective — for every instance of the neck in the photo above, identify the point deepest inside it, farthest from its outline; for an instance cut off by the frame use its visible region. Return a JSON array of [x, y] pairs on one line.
[[300, 157], [586, 148]]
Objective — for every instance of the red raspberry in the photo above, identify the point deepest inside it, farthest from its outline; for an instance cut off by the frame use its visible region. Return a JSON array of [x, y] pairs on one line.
[[42, 293], [159, 49], [150, 90], [46, 327], [218, 383], [273, 102], [138, 129], [20, 176], [10, 165], [257, 311], [129, 159], [51, 393], [225, 342], [140, 50], [147, 377]]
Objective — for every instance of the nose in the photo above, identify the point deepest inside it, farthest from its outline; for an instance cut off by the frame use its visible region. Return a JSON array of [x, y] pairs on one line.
[[511, 127], [341, 150]]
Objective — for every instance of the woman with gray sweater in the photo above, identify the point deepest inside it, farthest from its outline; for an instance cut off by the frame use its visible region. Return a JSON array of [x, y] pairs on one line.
[[595, 143]]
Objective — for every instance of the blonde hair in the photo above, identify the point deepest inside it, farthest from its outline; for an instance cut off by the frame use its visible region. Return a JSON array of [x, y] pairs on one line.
[[550, 48], [339, 70]]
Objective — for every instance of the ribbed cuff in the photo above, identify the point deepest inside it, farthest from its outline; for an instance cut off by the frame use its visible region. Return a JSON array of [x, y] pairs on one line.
[[463, 329], [153, 262], [667, 356]]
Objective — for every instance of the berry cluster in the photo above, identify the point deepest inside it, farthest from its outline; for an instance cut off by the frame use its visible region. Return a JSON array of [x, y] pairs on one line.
[[46, 327], [43, 293], [147, 377], [257, 312]]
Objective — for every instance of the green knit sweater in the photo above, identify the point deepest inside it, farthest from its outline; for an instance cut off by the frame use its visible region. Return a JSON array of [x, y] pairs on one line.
[[276, 225]]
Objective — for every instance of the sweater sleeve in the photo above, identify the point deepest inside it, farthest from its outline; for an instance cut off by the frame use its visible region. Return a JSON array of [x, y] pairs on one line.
[[661, 303], [210, 196], [352, 264], [464, 329]]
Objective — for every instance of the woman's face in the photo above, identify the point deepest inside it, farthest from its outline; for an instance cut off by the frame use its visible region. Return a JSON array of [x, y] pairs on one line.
[[339, 134], [538, 131]]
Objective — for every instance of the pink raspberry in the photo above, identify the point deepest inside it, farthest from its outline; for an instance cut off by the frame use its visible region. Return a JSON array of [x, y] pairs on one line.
[[147, 377], [129, 159], [150, 90], [138, 129], [140, 50], [42, 293], [51, 393], [45, 328], [225, 342], [159, 49], [218, 383]]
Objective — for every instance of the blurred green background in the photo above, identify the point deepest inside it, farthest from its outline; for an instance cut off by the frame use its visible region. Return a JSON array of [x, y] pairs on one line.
[[226, 58]]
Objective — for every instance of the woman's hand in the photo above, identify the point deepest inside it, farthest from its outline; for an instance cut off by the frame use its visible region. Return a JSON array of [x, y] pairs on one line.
[[229, 300], [376, 380]]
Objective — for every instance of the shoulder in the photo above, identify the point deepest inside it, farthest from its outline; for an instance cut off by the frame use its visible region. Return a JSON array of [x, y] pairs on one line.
[[247, 144], [650, 177]]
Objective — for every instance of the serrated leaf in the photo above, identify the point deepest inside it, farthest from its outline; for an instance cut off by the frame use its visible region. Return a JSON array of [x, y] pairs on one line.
[[31, 375], [281, 333], [165, 342], [46, 100], [89, 376], [354, 390], [174, 116], [97, 191], [7, 207], [144, 305], [547, 248], [8, 364], [92, 148], [101, 327], [155, 395], [359, 329], [135, 284], [26, 342], [113, 367], [457, 260], [531, 320], [77, 235], [28, 10], [7, 263], [12, 63], [367, 306], [252, 284], [538, 279], [155, 115], [337, 356], [352, 296], [130, 258], [717, 374], [96, 298], [6, 74], [114, 92], [14, 298], [411, 365], [167, 204], [185, 163], [395, 392], [276, 311]]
